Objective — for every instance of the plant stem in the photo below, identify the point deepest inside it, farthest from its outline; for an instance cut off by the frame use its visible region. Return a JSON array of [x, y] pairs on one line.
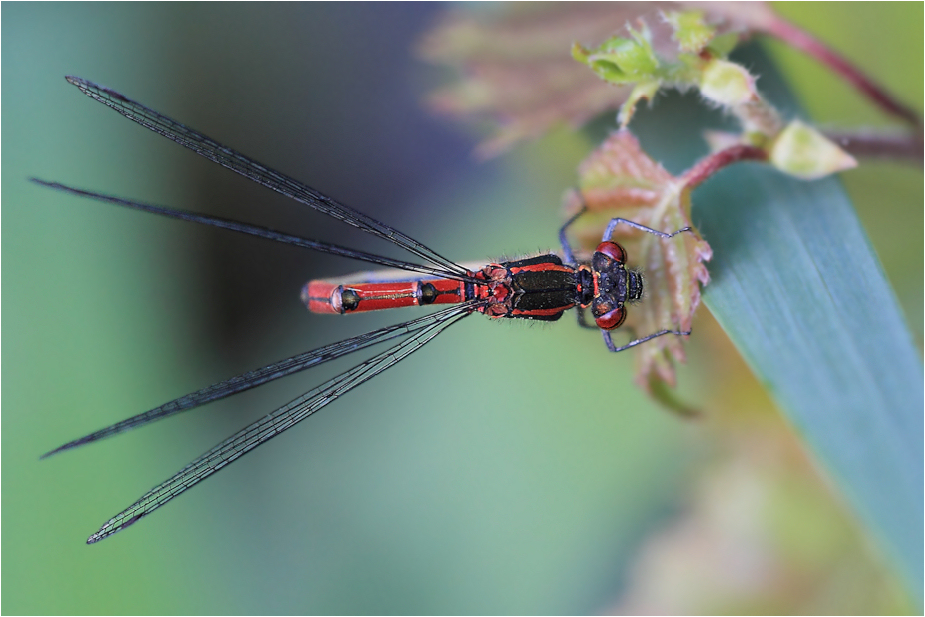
[[800, 39], [710, 164], [879, 144]]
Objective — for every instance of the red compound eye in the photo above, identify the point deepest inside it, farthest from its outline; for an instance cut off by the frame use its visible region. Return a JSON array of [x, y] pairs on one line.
[[612, 319], [612, 250]]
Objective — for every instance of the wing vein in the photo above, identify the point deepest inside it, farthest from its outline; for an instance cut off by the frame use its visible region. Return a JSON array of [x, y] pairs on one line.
[[277, 422], [259, 173]]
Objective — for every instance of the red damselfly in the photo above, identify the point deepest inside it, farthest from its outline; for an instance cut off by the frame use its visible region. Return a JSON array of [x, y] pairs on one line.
[[538, 288]]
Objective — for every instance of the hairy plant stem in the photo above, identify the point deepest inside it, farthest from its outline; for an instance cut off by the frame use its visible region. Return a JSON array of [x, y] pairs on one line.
[[710, 164]]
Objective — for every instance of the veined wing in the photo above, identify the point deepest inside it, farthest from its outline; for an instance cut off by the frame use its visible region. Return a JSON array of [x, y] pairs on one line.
[[260, 232], [276, 422], [259, 173], [258, 377]]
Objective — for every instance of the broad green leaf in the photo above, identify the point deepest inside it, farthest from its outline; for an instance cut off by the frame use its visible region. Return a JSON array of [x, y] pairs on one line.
[[800, 292], [802, 295], [798, 288]]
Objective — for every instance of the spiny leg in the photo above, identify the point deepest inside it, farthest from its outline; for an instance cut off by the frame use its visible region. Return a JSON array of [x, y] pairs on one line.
[[563, 238], [608, 233], [610, 344], [583, 319]]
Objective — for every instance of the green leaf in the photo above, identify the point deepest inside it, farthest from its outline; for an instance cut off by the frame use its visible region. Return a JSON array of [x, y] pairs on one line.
[[620, 60], [722, 45], [643, 90], [690, 31], [800, 292]]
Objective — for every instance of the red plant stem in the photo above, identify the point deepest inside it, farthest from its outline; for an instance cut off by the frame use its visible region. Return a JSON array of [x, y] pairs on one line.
[[876, 144], [709, 165], [804, 41]]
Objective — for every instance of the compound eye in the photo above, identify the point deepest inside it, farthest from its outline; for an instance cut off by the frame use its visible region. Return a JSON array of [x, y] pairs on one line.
[[612, 250], [611, 319]]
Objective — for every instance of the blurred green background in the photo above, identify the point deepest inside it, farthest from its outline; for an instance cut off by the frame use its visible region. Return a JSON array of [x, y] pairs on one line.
[[506, 468]]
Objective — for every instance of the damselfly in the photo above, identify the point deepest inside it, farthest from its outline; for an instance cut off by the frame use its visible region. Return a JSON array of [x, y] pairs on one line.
[[538, 288]]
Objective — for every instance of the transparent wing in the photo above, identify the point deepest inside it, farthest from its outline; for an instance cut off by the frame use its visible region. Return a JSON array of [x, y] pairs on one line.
[[275, 423], [258, 377], [261, 174], [254, 230]]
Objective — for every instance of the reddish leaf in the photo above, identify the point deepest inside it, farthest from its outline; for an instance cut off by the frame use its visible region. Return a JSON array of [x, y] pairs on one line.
[[620, 180], [516, 69]]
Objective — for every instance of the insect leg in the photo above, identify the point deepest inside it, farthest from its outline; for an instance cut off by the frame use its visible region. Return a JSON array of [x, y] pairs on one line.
[[612, 347], [608, 233], [563, 238], [583, 319]]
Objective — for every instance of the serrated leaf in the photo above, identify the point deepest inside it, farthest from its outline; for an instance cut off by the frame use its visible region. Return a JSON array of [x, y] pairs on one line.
[[620, 180], [690, 30], [644, 90], [514, 66], [620, 60], [515, 70]]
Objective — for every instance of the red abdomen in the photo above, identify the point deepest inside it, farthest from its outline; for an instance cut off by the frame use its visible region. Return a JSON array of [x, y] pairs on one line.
[[335, 296]]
